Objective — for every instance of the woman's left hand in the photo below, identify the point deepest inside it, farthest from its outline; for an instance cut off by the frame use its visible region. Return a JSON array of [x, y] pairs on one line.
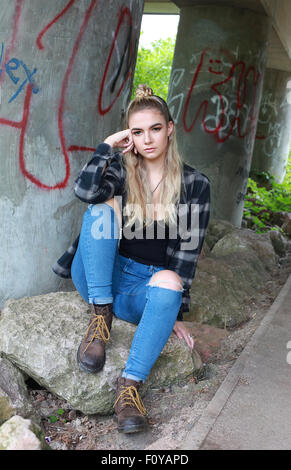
[[183, 333]]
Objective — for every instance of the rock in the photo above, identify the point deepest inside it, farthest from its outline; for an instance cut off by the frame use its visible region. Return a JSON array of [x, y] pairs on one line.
[[14, 398], [205, 250], [278, 241], [21, 434], [237, 267], [278, 218], [250, 243], [286, 227], [207, 339], [221, 290], [41, 335], [216, 230]]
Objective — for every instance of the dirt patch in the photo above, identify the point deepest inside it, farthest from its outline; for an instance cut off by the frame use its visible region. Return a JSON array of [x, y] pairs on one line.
[[172, 410]]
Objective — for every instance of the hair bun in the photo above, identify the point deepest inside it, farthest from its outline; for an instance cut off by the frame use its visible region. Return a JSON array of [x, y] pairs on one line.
[[143, 91]]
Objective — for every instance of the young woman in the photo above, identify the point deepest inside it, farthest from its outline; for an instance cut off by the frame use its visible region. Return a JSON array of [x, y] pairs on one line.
[[139, 278]]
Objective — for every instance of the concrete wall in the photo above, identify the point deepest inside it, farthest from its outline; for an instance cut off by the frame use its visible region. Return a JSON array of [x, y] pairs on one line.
[[66, 75], [273, 136], [214, 95]]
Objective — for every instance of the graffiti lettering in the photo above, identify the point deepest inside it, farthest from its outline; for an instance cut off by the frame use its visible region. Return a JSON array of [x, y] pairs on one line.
[[10, 67], [271, 108], [229, 107], [175, 102], [11, 45], [229, 116], [114, 80], [22, 125]]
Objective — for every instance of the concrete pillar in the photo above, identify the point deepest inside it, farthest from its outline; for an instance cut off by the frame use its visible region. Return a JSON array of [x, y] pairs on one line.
[[273, 137], [66, 76], [214, 94]]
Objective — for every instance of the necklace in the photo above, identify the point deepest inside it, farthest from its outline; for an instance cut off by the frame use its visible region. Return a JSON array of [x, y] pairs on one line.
[[157, 185]]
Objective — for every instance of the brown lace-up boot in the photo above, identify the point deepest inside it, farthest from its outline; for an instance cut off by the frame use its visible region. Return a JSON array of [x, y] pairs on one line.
[[129, 409], [91, 353]]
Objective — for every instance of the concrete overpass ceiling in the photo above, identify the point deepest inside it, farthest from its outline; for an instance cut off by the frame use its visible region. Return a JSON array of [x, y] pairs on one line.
[[280, 12], [254, 5], [277, 56], [279, 49], [163, 7]]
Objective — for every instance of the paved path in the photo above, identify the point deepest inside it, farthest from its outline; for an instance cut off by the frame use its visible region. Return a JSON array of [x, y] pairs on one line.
[[251, 410]]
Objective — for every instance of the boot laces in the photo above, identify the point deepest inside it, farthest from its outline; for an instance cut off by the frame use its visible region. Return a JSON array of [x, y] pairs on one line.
[[130, 396], [100, 330]]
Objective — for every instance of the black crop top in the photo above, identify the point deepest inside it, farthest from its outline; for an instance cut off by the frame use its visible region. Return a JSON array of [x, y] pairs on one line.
[[145, 250]]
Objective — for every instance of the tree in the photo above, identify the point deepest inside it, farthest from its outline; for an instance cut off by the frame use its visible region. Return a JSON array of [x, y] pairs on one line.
[[153, 66]]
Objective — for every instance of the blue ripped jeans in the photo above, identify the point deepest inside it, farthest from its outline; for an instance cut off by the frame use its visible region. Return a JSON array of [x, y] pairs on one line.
[[101, 275]]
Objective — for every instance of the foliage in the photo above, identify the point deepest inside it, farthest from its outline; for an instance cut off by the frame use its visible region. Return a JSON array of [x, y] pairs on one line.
[[54, 418], [153, 66], [263, 202]]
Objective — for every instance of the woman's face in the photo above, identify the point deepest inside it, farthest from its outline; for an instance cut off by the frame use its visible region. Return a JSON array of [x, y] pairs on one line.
[[150, 133]]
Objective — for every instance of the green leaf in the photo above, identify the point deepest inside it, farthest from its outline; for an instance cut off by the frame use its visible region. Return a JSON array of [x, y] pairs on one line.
[[53, 419]]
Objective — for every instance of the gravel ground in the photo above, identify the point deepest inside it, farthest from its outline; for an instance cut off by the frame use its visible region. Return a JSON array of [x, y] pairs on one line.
[[173, 410]]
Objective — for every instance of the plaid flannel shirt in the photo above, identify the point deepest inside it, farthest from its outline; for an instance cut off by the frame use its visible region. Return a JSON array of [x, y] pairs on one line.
[[93, 186]]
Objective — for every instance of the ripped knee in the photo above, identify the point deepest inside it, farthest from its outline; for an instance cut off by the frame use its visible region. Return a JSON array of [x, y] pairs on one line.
[[173, 281], [167, 285]]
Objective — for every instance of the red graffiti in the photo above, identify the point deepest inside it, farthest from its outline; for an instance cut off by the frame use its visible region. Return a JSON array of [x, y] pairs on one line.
[[42, 33], [76, 148], [11, 45], [125, 12], [64, 88], [22, 125], [125, 15], [247, 77]]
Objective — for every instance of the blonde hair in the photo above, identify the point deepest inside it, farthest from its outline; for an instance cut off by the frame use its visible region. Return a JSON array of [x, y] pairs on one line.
[[139, 193]]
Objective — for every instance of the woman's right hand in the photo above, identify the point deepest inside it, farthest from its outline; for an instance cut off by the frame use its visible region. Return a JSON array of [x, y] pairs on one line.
[[121, 139]]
